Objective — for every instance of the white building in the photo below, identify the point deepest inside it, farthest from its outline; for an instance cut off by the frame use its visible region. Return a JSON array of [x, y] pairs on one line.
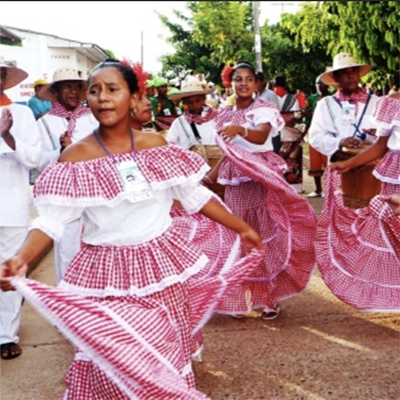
[[41, 54]]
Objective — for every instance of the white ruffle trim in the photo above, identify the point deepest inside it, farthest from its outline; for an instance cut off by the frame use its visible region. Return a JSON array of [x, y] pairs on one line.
[[134, 290], [197, 200], [386, 179], [68, 201], [49, 226], [233, 181]]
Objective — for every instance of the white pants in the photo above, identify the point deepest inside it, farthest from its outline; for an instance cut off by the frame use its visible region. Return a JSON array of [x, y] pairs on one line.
[[11, 240], [66, 249]]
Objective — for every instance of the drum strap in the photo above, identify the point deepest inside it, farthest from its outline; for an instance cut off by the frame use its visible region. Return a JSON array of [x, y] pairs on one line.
[[195, 131], [357, 130], [361, 135], [184, 123]]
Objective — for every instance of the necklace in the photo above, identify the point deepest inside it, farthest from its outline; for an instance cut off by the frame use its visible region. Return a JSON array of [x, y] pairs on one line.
[[99, 141]]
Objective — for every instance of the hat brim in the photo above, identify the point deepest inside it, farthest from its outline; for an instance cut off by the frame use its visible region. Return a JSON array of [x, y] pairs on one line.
[[328, 79], [179, 96], [14, 76], [46, 91]]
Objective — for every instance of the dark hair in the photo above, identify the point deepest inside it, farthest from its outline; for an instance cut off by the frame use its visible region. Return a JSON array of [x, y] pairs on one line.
[[260, 76], [126, 72], [280, 81], [242, 65]]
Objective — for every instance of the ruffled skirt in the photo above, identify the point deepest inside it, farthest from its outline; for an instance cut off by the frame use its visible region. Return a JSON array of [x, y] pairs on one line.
[[284, 220], [358, 251]]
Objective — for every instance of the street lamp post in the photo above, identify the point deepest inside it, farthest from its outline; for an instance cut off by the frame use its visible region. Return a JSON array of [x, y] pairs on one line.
[[257, 37]]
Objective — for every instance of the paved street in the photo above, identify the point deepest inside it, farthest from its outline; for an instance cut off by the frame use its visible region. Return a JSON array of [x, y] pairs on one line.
[[318, 349]]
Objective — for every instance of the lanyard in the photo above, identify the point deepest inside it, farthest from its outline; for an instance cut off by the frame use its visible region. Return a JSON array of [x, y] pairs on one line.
[[109, 152]]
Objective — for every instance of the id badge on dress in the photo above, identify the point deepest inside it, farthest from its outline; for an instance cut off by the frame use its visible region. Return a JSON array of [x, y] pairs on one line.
[[348, 113], [134, 181]]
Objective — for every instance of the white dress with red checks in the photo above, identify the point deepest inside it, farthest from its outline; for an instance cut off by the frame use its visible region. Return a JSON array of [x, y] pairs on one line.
[[257, 192], [134, 249], [358, 251]]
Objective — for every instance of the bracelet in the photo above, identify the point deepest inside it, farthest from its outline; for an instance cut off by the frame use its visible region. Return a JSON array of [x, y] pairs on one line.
[[246, 132]]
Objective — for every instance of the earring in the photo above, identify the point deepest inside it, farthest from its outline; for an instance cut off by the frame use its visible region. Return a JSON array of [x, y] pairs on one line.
[[133, 112]]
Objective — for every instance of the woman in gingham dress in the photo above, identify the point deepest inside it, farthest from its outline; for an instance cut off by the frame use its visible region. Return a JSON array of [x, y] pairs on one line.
[[256, 191], [358, 251], [122, 182]]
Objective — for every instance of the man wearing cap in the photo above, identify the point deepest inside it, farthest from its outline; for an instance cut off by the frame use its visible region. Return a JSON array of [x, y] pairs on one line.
[[19, 152], [67, 122], [343, 119], [36, 103], [196, 125], [161, 104], [150, 89], [163, 108]]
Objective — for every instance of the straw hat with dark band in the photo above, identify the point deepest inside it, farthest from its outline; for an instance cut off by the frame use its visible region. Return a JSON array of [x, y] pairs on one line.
[[343, 61], [14, 76], [192, 88], [62, 74]]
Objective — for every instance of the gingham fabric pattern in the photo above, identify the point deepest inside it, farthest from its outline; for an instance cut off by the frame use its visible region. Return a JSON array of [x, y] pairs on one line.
[[164, 269], [137, 359], [388, 169], [71, 116], [223, 249], [360, 96], [229, 173], [97, 182], [387, 112], [358, 251], [207, 114], [164, 122], [287, 225], [240, 117]]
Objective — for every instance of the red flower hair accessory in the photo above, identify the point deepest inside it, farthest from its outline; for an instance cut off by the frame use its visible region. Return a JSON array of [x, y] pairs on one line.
[[141, 75]]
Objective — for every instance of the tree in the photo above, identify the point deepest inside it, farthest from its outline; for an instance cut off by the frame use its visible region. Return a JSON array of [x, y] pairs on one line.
[[284, 54], [367, 29], [224, 27], [188, 55]]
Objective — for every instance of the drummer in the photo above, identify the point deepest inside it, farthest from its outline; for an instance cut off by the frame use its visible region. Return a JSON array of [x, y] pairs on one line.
[[343, 120], [196, 125]]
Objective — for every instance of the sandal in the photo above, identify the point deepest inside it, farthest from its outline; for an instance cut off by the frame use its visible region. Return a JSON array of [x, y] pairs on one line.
[[10, 350], [238, 316], [269, 313]]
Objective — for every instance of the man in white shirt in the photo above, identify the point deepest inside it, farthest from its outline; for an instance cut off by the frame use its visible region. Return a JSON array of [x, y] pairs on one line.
[[343, 119], [195, 129], [196, 125], [20, 151], [262, 90], [67, 122]]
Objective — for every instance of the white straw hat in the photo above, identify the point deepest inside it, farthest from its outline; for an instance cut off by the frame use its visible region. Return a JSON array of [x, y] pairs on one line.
[[62, 74], [14, 75], [343, 61], [192, 88]]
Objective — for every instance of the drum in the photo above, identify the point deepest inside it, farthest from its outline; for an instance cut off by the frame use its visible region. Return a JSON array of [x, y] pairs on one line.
[[359, 186], [211, 154]]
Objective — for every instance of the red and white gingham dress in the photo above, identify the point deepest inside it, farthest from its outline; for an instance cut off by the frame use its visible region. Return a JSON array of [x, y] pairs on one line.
[[358, 251], [257, 192], [134, 250]]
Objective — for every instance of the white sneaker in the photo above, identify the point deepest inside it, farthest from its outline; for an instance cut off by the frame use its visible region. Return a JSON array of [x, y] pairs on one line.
[[313, 195]]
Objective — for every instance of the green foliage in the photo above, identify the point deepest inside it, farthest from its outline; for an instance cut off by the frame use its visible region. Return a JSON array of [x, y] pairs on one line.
[[283, 56], [188, 55], [367, 29], [110, 54]]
